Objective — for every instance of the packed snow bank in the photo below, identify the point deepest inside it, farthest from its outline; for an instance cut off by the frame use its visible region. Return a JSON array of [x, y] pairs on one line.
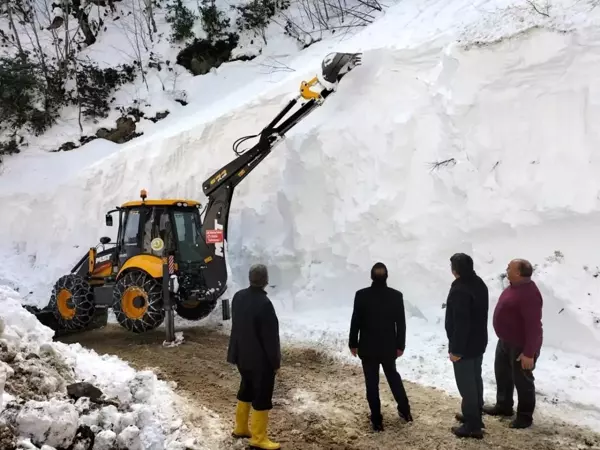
[[42, 404], [504, 100]]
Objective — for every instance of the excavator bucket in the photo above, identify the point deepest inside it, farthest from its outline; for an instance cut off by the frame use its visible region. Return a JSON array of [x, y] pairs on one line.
[[333, 68], [336, 65]]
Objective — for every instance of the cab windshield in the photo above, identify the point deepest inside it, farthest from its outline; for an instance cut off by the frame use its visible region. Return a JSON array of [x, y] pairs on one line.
[[189, 237]]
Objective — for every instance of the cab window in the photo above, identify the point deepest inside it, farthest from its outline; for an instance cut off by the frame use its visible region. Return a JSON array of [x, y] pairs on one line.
[[132, 227]]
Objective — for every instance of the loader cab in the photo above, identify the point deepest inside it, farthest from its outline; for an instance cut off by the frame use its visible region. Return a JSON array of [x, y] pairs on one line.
[[159, 228]]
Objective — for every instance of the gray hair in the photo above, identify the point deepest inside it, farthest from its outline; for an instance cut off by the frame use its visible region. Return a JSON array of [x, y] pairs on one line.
[[258, 275]]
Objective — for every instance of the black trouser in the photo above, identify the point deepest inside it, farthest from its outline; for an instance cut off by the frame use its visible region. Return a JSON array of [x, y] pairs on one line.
[[371, 371], [257, 388], [467, 372], [510, 374]]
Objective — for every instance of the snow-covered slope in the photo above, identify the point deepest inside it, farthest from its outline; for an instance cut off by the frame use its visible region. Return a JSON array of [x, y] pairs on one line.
[[138, 411], [502, 93]]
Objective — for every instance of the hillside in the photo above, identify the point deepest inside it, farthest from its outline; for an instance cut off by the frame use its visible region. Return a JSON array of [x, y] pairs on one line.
[[469, 127], [112, 70]]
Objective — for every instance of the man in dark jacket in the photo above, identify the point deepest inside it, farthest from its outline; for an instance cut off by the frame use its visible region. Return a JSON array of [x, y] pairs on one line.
[[466, 327], [255, 349], [518, 325], [377, 336]]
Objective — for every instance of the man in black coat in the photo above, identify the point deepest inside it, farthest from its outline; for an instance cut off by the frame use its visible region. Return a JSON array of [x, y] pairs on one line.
[[255, 349], [467, 330], [377, 336]]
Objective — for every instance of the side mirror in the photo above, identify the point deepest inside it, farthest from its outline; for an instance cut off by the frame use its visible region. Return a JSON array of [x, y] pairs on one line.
[[109, 220], [105, 239]]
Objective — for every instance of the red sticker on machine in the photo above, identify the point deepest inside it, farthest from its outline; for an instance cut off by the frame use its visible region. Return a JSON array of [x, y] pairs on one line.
[[214, 236]]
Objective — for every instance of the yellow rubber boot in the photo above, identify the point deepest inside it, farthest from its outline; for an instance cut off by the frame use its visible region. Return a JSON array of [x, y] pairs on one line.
[[259, 425], [242, 413]]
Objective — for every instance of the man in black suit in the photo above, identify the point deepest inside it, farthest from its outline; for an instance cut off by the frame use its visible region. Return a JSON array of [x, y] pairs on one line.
[[466, 328], [255, 349], [377, 336]]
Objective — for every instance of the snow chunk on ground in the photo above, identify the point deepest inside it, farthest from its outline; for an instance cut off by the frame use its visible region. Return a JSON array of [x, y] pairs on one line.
[[105, 440], [52, 423], [135, 410]]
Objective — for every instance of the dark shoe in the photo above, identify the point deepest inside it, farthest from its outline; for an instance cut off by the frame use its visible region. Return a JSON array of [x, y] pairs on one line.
[[496, 411], [407, 417], [521, 423], [377, 426], [377, 422], [464, 432], [459, 417]]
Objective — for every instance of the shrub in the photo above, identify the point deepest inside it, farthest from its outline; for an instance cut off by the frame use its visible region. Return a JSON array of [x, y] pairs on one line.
[[95, 87], [27, 97], [257, 14], [214, 22], [181, 19]]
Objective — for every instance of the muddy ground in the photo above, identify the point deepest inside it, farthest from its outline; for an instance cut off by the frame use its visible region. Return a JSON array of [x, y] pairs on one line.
[[319, 402]]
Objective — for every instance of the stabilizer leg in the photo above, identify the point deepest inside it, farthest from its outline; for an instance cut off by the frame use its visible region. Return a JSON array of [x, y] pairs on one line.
[[169, 315]]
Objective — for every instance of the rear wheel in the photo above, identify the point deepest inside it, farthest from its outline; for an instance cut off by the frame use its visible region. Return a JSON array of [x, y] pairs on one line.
[[137, 302], [72, 302]]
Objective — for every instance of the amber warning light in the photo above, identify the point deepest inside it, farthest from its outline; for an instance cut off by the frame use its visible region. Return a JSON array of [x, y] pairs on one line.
[[143, 194]]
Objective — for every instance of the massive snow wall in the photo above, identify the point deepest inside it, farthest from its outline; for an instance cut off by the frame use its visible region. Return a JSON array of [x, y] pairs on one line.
[[513, 122]]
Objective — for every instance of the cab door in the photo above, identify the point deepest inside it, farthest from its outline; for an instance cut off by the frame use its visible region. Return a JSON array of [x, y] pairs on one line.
[[130, 241]]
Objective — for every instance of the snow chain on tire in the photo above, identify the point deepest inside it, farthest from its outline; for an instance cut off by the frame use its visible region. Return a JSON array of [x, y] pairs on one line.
[[72, 302], [138, 319]]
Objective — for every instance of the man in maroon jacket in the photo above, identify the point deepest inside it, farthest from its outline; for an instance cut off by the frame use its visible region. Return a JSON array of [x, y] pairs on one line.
[[518, 325]]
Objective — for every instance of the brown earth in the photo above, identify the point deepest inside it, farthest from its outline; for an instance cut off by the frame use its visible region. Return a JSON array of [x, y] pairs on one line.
[[319, 402]]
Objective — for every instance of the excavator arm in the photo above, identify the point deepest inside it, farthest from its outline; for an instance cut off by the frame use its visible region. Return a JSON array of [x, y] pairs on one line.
[[220, 185]]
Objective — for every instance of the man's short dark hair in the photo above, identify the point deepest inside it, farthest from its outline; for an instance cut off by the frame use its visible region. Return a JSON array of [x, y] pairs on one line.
[[258, 275], [379, 272], [525, 268], [462, 264]]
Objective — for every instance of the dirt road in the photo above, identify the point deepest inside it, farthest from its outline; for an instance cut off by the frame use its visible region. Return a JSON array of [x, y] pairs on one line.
[[319, 403]]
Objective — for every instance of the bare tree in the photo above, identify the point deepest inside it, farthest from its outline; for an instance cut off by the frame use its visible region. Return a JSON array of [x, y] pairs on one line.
[[11, 22], [149, 15], [276, 66]]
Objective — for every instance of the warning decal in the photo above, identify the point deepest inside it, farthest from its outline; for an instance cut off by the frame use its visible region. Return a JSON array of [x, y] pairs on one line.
[[214, 236]]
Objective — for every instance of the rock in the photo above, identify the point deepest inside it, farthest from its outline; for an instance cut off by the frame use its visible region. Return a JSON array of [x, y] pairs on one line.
[[159, 116], [83, 389], [105, 440], [67, 146], [85, 139], [202, 67], [124, 132], [200, 56]]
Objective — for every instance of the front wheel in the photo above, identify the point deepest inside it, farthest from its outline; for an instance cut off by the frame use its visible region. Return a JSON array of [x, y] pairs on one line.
[[138, 302], [195, 310]]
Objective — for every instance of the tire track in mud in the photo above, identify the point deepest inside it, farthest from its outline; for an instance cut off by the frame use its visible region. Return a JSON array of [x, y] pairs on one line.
[[319, 403]]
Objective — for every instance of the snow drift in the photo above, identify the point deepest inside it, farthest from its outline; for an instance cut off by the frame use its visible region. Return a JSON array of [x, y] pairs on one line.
[[37, 406], [471, 135]]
